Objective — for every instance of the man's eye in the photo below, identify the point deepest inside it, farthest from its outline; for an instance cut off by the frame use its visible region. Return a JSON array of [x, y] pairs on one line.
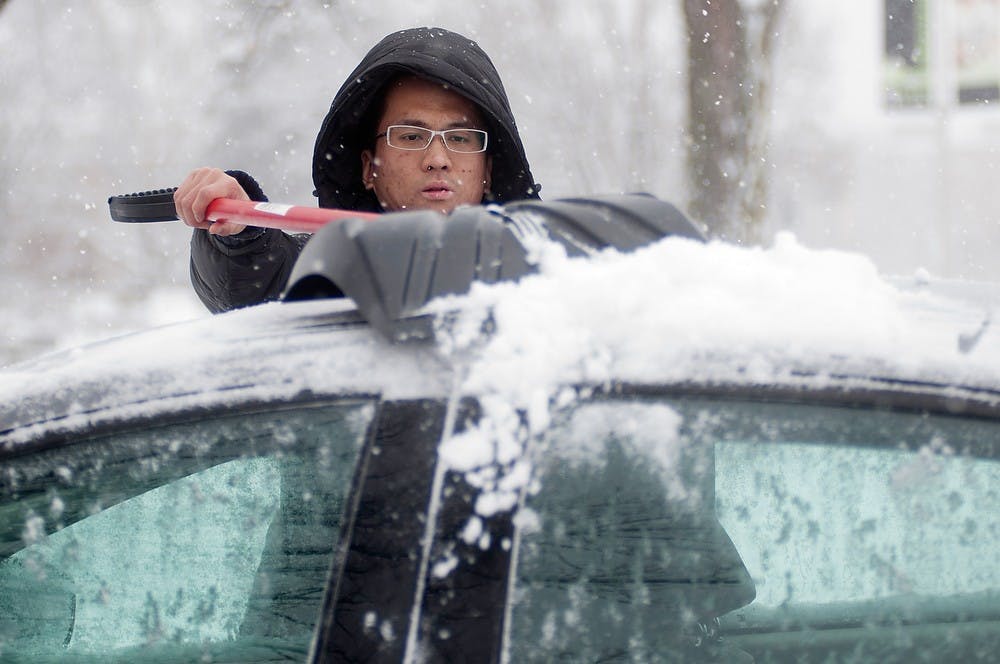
[[460, 139], [412, 138]]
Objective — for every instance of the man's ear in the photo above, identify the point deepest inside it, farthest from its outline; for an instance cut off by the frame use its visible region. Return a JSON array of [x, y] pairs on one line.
[[368, 169]]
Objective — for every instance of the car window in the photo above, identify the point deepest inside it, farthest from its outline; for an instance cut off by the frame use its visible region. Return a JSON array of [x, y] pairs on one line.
[[713, 530], [203, 540]]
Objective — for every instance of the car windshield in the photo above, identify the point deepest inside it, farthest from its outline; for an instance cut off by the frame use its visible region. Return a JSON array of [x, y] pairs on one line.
[[710, 530], [204, 541]]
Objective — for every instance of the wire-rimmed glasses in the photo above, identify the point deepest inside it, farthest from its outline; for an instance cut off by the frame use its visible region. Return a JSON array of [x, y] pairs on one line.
[[407, 137]]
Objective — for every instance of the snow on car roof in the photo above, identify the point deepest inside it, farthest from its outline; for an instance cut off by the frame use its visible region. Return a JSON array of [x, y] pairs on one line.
[[270, 352], [680, 309]]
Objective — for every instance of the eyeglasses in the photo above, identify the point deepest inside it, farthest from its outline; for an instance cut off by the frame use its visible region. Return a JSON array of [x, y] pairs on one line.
[[405, 137]]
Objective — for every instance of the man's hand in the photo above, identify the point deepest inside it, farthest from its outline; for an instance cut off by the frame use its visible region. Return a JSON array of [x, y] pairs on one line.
[[201, 187]]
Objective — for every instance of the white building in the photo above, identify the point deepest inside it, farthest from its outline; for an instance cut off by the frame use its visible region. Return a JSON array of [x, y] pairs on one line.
[[886, 132]]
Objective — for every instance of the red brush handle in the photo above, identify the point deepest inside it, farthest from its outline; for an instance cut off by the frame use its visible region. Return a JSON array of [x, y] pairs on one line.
[[275, 215]]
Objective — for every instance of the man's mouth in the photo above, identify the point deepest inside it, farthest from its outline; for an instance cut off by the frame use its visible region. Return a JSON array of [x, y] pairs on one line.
[[437, 191]]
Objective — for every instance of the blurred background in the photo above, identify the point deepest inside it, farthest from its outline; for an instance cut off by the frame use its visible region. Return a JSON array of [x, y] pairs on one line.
[[866, 125]]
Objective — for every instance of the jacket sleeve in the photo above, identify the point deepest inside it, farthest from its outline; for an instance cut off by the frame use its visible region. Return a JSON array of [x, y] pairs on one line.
[[244, 269]]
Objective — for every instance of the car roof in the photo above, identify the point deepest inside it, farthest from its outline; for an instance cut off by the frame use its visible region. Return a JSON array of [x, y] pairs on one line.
[[272, 352], [524, 300]]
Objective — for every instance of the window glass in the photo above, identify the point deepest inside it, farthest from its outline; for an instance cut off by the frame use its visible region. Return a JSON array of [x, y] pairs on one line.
[[700, 530], [905, 63], [849, 524], [977, 50], [209, 540], [620, 554], [966, 65]]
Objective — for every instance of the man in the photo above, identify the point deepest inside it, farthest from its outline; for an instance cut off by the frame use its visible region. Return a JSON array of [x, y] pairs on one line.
[[423, 123]]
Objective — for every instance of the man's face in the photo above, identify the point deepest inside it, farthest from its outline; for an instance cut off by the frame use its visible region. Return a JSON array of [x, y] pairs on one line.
[[432, 179]]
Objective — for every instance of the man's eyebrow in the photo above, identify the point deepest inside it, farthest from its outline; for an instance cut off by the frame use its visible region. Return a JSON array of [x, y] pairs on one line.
[[465, 123]]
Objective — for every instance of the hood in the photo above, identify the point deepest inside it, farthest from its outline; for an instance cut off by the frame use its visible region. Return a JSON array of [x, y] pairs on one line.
[[437, 55]]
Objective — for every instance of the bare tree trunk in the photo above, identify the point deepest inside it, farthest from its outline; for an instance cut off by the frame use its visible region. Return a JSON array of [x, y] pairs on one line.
[[729, 54], [758, 162], [642, 112]]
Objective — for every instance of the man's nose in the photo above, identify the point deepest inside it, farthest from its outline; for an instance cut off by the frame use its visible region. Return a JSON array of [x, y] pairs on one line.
[[437, 155]]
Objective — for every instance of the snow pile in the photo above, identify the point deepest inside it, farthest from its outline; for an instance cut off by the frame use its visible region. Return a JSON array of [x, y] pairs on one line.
[[681, 310]]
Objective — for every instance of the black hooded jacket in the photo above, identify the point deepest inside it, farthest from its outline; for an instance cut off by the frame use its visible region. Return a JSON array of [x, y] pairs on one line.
[[253, 267]]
